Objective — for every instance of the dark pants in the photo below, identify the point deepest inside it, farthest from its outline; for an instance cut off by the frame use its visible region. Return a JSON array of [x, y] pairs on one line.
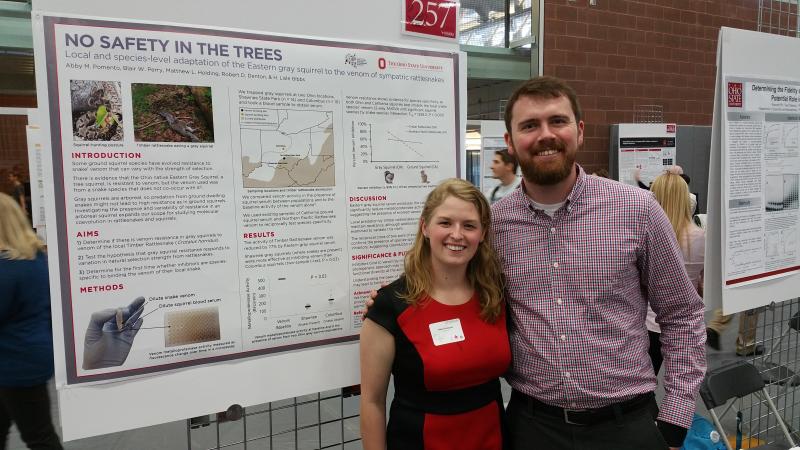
[[633, 430], [655, 351], [29, 408]]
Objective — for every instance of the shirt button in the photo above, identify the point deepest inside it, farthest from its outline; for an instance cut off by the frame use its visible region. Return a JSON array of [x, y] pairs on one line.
[[555, 264], [573, 405], [566, 374], [558, 300], [563, 338], [552, 230]]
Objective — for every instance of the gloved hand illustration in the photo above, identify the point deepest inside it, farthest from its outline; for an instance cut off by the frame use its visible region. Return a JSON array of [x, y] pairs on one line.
[[110, 334]]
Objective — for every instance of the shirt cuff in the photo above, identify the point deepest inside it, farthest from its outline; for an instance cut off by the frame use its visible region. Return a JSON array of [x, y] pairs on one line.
[[673, 434]]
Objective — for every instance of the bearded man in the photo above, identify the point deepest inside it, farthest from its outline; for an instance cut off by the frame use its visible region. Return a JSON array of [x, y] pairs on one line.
[[583, 257]]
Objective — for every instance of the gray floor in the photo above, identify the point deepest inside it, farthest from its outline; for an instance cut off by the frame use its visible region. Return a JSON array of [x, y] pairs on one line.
[[174, 435]]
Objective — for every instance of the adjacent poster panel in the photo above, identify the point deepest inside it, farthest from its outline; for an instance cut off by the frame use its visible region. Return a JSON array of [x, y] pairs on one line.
[[223, 194], [646, 148], [752, 256], [762, 139]]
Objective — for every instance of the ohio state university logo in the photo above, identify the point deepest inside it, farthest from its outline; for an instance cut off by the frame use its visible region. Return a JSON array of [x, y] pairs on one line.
[[734, 95]]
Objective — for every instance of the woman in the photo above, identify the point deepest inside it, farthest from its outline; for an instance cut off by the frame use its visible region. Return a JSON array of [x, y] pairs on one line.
[[26, 341], [440, 329], [672, 193]]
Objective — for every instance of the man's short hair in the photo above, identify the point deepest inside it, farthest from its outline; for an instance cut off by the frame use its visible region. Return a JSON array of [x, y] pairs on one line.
[[543, 87], [507, 158]]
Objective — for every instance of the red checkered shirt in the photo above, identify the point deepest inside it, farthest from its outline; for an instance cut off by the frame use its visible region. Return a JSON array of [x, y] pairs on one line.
[[578, 285]]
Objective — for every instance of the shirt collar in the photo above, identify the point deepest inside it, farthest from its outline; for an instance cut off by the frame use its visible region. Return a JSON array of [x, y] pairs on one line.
[[573, 196]]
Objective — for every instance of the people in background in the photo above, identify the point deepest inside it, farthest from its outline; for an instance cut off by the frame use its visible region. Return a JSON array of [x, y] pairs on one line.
[[671, 192], [504, 168], [18, 191], [26, 340], [746, 339], [677, 170], [440, 330]]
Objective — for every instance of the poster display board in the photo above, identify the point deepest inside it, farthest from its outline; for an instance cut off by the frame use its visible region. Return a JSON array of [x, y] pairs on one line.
[[762, 139], [752, 252], [646, 148], [220, 195], [273, 182]]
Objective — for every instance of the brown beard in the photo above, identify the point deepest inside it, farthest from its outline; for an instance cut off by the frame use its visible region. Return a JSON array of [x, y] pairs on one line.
[[548, 177]]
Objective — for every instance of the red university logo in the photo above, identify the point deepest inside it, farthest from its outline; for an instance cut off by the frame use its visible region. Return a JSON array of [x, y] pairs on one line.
[[734, 95]]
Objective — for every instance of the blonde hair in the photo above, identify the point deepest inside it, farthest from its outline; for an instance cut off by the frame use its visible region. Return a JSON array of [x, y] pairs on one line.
[[17, 239], [483, 271], [672, 194]]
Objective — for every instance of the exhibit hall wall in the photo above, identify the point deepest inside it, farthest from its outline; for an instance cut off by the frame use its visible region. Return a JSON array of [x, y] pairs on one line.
[[624, 55]]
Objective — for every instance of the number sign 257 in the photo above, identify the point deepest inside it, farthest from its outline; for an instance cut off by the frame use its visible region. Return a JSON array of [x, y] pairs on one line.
[[431, 18]]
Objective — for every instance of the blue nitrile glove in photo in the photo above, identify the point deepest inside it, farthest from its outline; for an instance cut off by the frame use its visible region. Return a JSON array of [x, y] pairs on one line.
[[110, 334]]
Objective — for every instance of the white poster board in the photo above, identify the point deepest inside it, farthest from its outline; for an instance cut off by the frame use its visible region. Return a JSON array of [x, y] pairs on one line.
[[36, 170], [755, 161], [201, 218], [36, 150], [648, 148]]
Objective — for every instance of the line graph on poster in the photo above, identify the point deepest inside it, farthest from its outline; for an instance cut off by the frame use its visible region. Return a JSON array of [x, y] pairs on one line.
[[396, 141]]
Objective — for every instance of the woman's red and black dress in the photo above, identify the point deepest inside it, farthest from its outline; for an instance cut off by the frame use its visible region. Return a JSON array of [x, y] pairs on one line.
[[446, 396]]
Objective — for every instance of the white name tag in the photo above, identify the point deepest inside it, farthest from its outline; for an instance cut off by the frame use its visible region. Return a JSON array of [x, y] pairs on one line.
[[446, 332]]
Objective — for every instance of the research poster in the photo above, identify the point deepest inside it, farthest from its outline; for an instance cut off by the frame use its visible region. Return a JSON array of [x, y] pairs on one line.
[[647, 149], [223, 194], [761, 169]]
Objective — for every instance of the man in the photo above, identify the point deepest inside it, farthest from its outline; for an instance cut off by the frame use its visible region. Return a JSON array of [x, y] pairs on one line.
[[21, 191], [583, 256], [18, 190], [504, 168]]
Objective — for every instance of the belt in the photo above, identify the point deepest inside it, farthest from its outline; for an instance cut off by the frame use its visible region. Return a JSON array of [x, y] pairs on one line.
[[584, 416]]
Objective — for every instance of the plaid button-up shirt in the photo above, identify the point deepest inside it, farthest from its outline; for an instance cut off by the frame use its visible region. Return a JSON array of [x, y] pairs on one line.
[[578, 285]]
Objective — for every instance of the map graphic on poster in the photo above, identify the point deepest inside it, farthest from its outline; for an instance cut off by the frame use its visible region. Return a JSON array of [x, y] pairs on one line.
[[285, 148]]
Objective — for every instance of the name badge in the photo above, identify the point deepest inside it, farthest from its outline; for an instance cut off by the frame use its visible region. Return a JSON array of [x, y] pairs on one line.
[[446, 332]]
